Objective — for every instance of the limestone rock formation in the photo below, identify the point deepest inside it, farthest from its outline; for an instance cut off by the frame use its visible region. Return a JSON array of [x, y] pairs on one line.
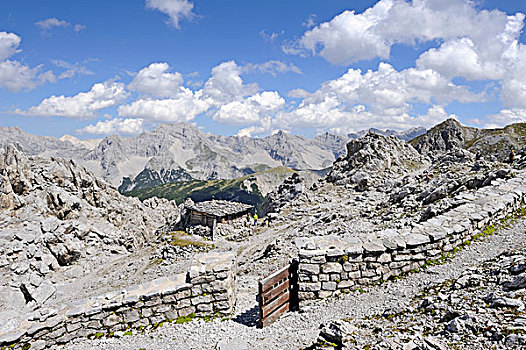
[[374, 158], [443, 137], [58, 219], [291, 188]]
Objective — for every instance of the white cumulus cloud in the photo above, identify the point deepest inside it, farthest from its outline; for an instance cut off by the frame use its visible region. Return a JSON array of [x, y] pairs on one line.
[[9, 43], [503, 118], [184, 108], [14, 75], [175, 9], [381, 98], [350, 37], [251, 110], [114, 126], [155, 80], [226, 85], [82, 105]]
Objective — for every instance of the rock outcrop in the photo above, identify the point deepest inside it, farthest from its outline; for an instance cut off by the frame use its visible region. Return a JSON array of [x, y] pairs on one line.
[[443, 137], [58, 220], [291, 188], [374, 158]]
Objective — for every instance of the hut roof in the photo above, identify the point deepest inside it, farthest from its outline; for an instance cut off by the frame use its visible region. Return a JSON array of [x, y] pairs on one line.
[[219, 208]]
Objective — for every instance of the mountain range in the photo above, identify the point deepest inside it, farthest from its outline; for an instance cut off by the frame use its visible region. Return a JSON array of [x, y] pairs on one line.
[[182, 152]]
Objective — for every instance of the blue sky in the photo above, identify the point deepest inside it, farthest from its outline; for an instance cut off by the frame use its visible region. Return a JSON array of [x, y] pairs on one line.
[[93, 68]]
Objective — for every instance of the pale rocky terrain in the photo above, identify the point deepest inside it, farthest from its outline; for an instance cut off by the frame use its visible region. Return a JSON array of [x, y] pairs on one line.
[[89, 239], [65, 233]]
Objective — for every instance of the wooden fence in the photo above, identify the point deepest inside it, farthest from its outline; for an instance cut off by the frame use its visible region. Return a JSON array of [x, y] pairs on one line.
[[278, 293]]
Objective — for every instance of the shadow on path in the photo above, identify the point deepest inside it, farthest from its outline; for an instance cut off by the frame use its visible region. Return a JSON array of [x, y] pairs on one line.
[[248, 318]]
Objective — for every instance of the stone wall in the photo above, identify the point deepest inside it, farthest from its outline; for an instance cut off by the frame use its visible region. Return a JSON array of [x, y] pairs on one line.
[[328, 264], [207, 289]]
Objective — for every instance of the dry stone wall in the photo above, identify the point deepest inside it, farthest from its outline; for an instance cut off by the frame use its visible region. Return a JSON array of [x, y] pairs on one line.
[[328, 264], [207, 289]]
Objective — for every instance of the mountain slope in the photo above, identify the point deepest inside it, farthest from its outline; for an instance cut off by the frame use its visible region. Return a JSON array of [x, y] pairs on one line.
[[487, 142], [250, 189]]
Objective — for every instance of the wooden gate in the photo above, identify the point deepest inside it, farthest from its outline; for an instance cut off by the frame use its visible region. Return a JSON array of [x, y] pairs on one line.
[[277, 294]]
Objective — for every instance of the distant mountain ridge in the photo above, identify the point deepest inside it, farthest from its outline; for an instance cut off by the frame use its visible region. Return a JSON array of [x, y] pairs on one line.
[[182, 152]]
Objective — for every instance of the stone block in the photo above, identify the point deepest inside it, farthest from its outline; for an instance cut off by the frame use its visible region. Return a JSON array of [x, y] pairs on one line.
[[197, 290], [433, 253], [335, 277], [184, 294], [170, 298], [71, 327], [146, 312], [153, 301], [99, 316], [331, 267], [384, 258], [347, 266], [354, 249], [202, 279], [334, 253], [183, 303], [306, 255], [345, 284], [221, 296], [186, 311], [353, 275], [202, 299], [328, 286], [310, 287], [381, 270], [93, 324], [354, 258], [171, 314], [214, 287], [417, 257], [222, 305], [131, 316], [157, 319], [402, 257], [306, 295], [368, 273], [111, 320], [311, 269], [304, 277], [437, 235], [416, 239], [322, 294], [323, 277], [159, 309], [93, 310], [374, 247], [369, 258]]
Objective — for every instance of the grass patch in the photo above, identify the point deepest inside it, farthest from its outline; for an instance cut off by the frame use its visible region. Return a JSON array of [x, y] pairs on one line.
[[184, 319]]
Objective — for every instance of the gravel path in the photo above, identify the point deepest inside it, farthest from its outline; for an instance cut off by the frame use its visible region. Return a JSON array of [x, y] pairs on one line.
[[299, 330]]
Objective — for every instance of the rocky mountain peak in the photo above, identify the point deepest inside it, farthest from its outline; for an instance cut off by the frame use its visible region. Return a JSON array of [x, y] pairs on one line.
[[373, 157], [442, 137]]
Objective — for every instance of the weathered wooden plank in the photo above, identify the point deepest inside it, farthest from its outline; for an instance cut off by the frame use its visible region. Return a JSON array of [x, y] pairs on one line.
[[273, 317], [276, 277], [275, 304], [272, 293], [278, 293]]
